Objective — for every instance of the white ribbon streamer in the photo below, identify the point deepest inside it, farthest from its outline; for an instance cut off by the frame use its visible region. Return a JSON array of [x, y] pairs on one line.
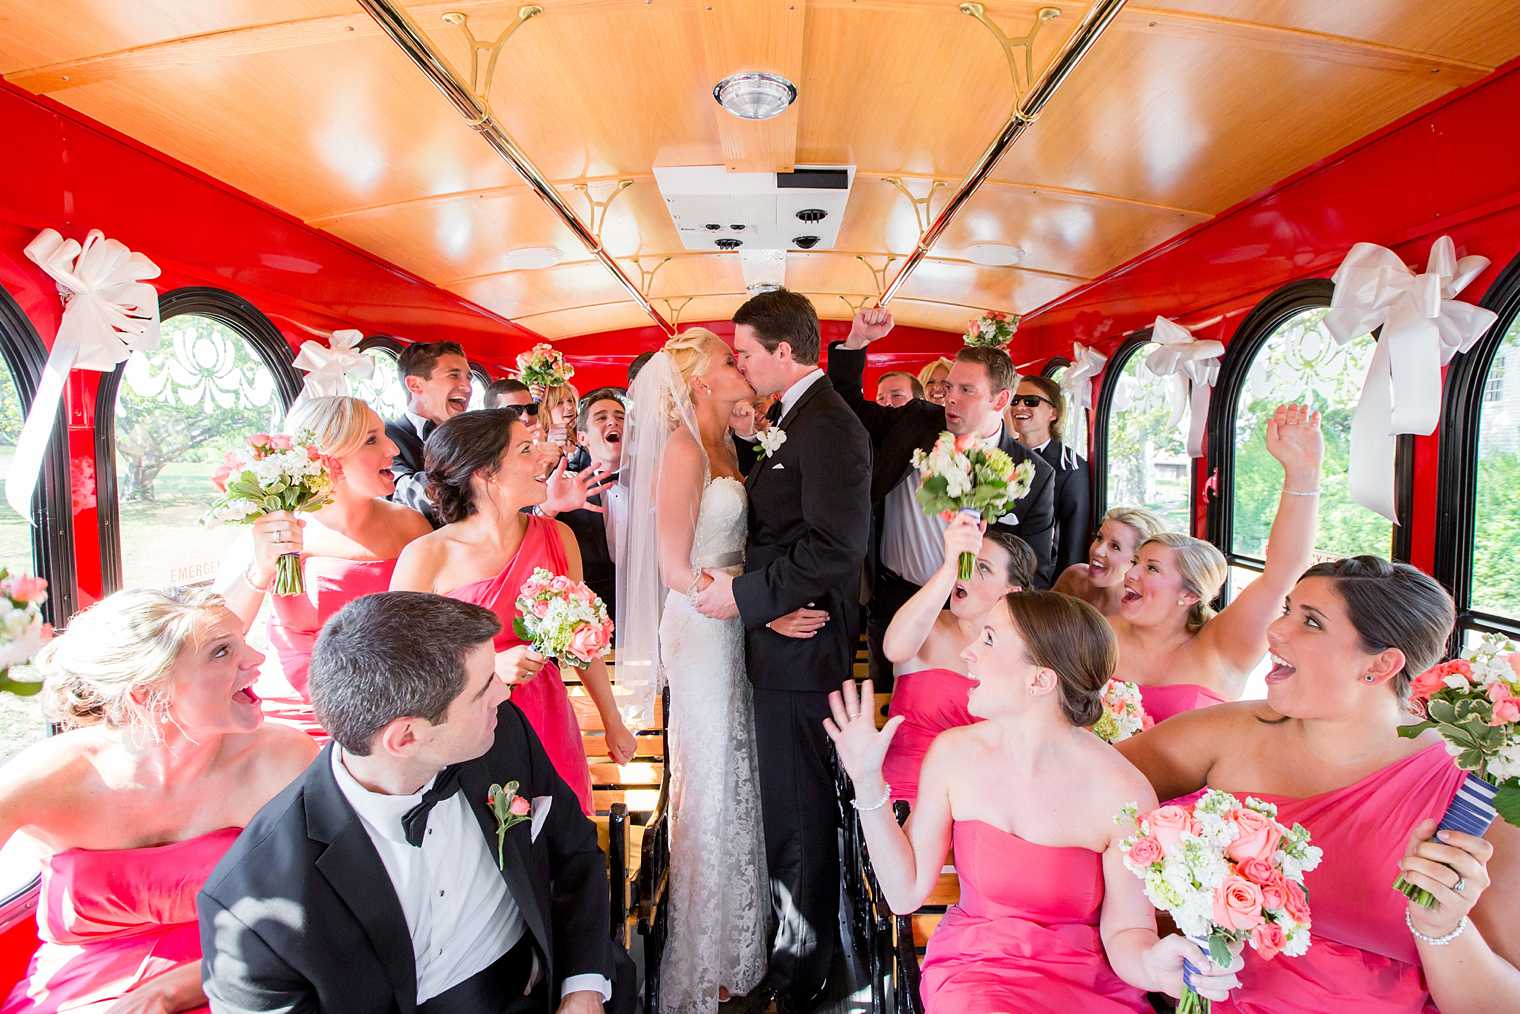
[[1423, 327], [1077, 385], [330, 368], [1194, 367], [109, 312]]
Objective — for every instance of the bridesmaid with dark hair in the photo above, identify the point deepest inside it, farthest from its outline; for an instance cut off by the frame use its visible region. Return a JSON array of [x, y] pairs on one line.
[[485, 467], [1324, 747]]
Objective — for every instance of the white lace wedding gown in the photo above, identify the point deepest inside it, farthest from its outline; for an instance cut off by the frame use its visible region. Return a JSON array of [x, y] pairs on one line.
[[719, 891]]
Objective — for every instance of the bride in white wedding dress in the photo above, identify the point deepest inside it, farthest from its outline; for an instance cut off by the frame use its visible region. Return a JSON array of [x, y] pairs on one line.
[[684, 512]]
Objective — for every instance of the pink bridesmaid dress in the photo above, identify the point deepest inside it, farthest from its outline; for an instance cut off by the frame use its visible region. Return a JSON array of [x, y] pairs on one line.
[[1362, 959], [543, 699], [1164, 701], [930, 701], [1024, 936], [111, 920], [331, 583]]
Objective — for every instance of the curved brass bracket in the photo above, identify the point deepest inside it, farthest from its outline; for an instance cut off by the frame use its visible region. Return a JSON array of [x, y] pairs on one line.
[[671, 307], [1009, 43], [878, 274], [920, 204], [854, 307], [481, 78], [646, 275], [596, 210]]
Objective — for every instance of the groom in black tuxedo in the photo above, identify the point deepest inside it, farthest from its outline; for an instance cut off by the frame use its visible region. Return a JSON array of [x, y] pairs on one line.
[[809, 529], [372, 883]]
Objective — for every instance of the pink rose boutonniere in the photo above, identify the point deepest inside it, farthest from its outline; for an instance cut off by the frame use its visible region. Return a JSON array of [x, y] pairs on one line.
[[509, 809]]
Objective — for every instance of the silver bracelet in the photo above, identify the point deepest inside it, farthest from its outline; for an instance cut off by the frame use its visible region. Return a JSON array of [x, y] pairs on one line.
[[249, 582], [1437, 941], [1297, 492], [886, 794]]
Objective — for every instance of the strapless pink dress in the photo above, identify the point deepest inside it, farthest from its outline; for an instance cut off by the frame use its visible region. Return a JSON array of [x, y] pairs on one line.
[[1162, 702], [543, 699], [109, 921], [1024, 936], [331, 584], [930, 701], [1362, 959]]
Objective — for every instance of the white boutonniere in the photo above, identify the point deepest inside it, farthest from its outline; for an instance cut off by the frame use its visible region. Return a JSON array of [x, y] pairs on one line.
[[770, 440]]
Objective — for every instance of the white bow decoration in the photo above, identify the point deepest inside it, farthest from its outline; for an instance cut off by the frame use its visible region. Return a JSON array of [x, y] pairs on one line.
[[330, 368], [109, 312], [1423, 327], [1194, 365], [1077, 384]]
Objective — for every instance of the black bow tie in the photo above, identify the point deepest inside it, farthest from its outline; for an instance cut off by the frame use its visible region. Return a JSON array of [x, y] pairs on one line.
[[414, 821], [428, 426], [774, 413]]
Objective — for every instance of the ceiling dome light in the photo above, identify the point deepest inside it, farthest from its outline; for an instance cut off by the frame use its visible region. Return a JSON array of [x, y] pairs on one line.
[[755, 95], [531, 258], [994, 255]]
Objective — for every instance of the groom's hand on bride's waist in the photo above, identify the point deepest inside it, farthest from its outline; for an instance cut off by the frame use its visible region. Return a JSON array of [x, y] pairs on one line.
[[716, 601]]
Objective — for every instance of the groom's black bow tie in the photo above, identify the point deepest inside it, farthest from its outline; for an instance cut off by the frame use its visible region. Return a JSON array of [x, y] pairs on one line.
[[774, 413], [415, 820]]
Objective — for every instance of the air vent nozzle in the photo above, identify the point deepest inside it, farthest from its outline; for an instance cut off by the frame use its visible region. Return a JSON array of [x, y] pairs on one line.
[[728, 243], [805, 242], [811, 215]]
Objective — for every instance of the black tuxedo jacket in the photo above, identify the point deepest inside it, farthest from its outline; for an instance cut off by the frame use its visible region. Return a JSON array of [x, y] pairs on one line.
[[300, 915], [411, 480], [747, 452], [1074, 525], [898, 432], [809, 532], [597, 567]]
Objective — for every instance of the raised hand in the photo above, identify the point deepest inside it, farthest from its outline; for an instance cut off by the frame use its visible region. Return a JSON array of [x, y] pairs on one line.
[[869, 325], [800, 623], [860, 745], [570, 491], [1294, 439], [1442, 865], [962, 535], [274, 535]]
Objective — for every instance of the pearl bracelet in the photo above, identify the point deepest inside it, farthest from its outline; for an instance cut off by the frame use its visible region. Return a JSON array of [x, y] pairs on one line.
[[1297, 492], [886, 794], [1437, 941], [249, 582]]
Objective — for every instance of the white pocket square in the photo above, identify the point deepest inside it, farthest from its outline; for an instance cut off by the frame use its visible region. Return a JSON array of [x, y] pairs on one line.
[[778, 466], [541, 806]]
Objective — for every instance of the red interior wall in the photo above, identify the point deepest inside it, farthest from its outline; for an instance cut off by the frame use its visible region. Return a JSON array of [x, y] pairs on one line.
[[1447, 169]]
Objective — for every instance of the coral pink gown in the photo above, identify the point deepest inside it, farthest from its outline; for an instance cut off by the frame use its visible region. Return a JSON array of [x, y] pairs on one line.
[[331, 583], [1162, 702], [542, 699], [930, 701], [1362, 959], [111, 920], [1024, 936]]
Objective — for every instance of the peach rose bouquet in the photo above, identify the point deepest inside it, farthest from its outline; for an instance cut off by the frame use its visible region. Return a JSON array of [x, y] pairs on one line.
[[1474, 703], [1228, 874], [960, 475], [562, 619], [1123, 712]]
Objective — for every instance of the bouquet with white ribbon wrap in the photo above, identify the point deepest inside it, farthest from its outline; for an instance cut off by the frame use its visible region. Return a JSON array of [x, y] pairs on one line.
[[109, 312], [1423, 327], [1194, 367]]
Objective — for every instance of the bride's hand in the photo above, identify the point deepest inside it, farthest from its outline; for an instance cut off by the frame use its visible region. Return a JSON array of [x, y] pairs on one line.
[[800, 623], [860, 746], [518, 665]]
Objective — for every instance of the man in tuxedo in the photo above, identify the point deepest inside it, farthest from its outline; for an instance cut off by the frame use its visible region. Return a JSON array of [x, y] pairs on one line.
[[600, 427], [896, 389], [1037, 412], [377, 881], [436, 376], [909, 545], [507, 391], [809, 531]]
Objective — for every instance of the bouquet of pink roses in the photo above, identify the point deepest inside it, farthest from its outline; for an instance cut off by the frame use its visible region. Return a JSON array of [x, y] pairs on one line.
[[22, 630], [543, 366], [1227, 872], [992, 330], [562, 619], [273, 473], [1474, 703], [958, 474], [1123, 712]]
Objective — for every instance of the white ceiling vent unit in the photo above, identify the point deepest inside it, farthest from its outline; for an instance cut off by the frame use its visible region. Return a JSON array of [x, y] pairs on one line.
[[715, 209]]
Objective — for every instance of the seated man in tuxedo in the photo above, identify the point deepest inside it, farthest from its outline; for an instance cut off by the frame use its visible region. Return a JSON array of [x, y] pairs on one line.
[[600, 428], [436, 376], [378, 881], [909, 545]]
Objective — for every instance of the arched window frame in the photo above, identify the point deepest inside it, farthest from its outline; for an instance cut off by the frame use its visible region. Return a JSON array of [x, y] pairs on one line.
[[52, 512], [1055, 363], [225, 308], [1457, 469], [1234, 367], [1103, 414]]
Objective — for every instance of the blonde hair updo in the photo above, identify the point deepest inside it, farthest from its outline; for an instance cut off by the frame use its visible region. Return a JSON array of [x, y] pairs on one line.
[[337, 423]]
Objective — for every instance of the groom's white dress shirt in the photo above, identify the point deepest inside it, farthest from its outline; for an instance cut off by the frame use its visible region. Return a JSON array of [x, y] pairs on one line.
[[798, 389], [459, 913]]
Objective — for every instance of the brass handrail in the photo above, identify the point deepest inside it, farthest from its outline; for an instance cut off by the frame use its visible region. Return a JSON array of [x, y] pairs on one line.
[[1099, 16], [403, 31]]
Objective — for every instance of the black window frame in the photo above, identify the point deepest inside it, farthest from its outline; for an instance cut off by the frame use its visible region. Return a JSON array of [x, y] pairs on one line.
[[1457, 465], [1048, 371], [226, 308], [1240, 354], [52, 508], [1103, 414]]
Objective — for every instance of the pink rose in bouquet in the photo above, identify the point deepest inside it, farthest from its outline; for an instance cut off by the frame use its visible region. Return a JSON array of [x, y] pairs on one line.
[[1237, 904], [1258, 836], [1169, 824], [562, 619]]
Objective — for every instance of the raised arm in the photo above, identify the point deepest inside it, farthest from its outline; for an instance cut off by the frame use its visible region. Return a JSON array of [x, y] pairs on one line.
[[1176, 755], [914, 621], [1239, 633], [847, 367]]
